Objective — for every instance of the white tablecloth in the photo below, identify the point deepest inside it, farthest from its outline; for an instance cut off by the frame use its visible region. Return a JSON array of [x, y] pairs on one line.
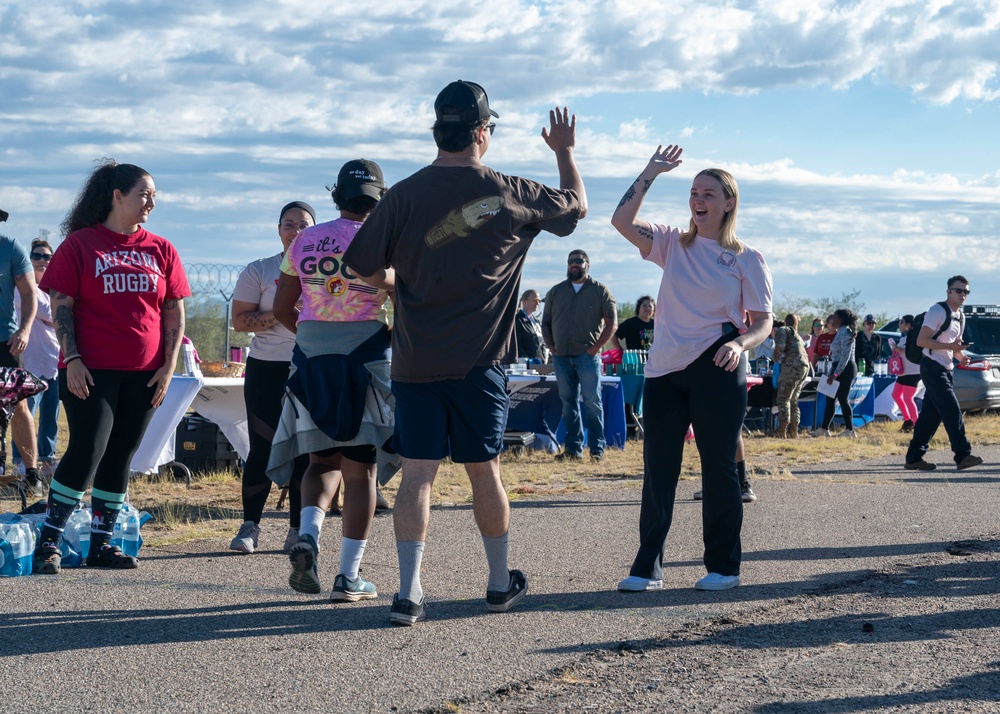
[[220, 400], [157, 447]]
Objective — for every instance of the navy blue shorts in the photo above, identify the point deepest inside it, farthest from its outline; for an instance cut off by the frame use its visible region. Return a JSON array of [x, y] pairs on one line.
[[461, 418]]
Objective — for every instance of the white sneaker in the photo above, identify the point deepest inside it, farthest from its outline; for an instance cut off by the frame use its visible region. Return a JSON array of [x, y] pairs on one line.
[[714, 581], [635, 584], [246, 538], [291, 539], [849, 434], [820, 432]]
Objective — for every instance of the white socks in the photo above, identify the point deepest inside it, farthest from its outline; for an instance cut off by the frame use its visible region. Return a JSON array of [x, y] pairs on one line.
[[351, 552], [411, 554], [312, 522], [496, 558]]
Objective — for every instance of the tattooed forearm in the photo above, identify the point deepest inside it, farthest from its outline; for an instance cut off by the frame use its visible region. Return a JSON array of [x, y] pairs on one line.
[[646, 184], [170, 304], [629, 195], [66, 330], [258, 321]]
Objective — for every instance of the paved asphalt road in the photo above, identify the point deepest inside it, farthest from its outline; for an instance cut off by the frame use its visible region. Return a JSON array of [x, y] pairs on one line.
[[197, 628]]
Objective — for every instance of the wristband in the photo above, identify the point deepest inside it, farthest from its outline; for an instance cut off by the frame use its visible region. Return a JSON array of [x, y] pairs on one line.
[[67, 360]]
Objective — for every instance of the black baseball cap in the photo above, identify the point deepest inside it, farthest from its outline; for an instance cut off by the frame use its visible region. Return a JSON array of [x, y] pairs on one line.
[[361, 177], [4, 216], [869, 318], [464, 102]]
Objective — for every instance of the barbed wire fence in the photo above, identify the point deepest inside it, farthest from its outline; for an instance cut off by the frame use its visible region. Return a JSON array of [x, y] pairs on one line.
[[212, 286]]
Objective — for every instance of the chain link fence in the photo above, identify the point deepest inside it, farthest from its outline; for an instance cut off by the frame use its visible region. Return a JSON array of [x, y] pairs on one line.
[[209, 309]]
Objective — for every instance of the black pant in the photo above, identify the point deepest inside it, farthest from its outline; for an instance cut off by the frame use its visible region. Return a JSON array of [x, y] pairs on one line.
[[105, 429], [264, 386], [940, 405], [714, 402], [845, 379]]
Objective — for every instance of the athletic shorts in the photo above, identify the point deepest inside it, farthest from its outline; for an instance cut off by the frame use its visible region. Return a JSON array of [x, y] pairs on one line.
[[363, 454], [6, 358], [461, 418]]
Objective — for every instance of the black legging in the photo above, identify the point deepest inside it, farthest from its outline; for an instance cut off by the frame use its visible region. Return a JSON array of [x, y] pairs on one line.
[[105, 429], [263, 388], [714, 402], [846, 379]]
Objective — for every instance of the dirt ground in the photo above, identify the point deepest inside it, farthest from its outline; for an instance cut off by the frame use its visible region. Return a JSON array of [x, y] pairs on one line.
[[921, 637]]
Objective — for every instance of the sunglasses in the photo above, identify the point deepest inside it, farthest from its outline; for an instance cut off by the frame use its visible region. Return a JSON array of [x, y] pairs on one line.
[[575, 261], [41, 256], [492, 128], [960, 291]]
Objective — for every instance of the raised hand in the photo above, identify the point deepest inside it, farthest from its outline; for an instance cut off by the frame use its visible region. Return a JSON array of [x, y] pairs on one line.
[[667, 159], [561, 132]]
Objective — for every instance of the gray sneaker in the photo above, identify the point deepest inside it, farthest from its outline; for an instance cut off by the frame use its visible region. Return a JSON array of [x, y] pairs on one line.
[[246, 538], [406, 613]]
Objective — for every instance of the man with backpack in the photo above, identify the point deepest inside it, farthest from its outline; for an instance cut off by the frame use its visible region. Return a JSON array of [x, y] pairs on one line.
[[939, 334]]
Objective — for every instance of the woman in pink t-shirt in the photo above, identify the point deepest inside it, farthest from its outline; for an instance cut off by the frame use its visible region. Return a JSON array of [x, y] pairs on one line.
[[696, 372], [117, 295], [338, 405]]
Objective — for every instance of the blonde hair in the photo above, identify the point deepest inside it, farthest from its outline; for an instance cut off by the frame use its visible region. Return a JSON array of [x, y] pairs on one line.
[[727, 234]]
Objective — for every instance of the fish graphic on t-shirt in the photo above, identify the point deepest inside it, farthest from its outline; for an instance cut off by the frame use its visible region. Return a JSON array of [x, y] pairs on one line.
[[461, 221]]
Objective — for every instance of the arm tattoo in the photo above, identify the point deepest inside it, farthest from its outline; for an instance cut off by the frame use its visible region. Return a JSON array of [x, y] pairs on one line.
[[646, 184], [257, 321], [66, 330], [644, 232], [170, 304], [629, 195]]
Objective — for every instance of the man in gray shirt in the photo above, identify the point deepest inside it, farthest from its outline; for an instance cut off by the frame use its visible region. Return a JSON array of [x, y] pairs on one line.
[[580, 317]]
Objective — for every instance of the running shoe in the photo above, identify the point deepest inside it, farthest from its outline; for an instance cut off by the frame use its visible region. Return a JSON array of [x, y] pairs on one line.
[[305, 571], [246, 538], [345, 590]]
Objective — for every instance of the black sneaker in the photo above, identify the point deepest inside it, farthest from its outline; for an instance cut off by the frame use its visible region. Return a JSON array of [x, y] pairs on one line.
[[597, 456], [406, 612], [111, 556], [968, 462], [922, 466], [567, 456], [697, 495], [503, 600], [907, 427]]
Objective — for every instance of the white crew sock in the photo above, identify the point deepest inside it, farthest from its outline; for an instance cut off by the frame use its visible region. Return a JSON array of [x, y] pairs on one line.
[[351, 553], [312, 522]]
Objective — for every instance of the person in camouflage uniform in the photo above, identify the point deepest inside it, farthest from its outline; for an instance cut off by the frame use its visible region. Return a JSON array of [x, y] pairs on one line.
[[790, 353]]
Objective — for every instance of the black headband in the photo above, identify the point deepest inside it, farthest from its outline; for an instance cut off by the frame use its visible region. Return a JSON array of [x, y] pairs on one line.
[[297, 204]]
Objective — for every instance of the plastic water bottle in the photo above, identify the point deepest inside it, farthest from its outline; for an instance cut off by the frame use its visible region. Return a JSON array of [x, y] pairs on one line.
[[17, 543], [126, 534]]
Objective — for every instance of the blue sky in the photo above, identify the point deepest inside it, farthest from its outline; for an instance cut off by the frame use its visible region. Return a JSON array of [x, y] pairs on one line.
[[863, 134]]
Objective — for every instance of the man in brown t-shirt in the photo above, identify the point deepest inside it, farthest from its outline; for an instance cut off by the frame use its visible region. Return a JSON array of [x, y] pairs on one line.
[[457, 234]]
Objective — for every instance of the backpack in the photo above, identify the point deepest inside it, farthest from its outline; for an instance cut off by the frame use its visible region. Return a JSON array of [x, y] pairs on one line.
[[915, 353]]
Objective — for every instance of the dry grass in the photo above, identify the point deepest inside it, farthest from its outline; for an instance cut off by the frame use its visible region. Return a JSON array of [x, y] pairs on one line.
[[212, 505]]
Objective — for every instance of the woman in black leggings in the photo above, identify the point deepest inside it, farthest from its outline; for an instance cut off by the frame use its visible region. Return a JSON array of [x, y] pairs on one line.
[[267, 371], [844, 370], [696, 371], [117, 302]]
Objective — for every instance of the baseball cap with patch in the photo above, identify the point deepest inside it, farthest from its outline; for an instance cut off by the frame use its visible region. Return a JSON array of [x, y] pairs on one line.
[[361, 177], [464, 102]]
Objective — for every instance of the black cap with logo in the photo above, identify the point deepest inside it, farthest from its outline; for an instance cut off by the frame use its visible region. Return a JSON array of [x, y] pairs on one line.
[[361, 177], [464, 102]]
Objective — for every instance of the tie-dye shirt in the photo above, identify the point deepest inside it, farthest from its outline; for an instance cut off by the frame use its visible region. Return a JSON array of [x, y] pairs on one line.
[[330, 291]]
